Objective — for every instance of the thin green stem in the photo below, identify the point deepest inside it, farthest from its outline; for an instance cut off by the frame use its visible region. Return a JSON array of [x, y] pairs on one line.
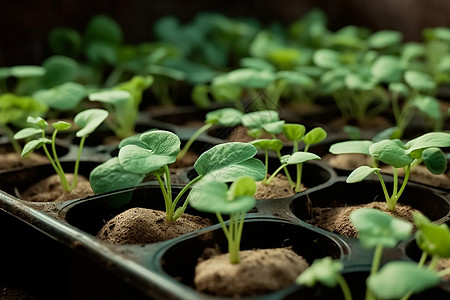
[[383, 185], [405, 181], [168, 184], [167, 200], [62, 175], [269, 180], [407, 295], [114, 76], [395, 176], [298, 186], [423, 259], [433, 262], [444, 272], [374, 269], [344, 287], [233, 245], [77, 163], [224, 227], [286, 171], [180, 194], [191, 140], [266, 163]]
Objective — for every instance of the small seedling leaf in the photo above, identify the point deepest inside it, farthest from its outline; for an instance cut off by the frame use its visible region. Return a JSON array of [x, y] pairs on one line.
[[398, 278], [419, 81], [274, 127], [268, 144], [431, 238], [37, 121], [256, 119], [88, 120], [349, 147], [61, 125], [428, 140], [387, 68], [315, 135], [113, 97], [399, 87], [294, 132], [34, 144], [225, 117], [300, 157], [391, 152], [243, 186], [64, 97], [384, 38], [435, 160], [27, 71], [27, 132], [360, 174], [378, 228], [327, 58], [323, 270]]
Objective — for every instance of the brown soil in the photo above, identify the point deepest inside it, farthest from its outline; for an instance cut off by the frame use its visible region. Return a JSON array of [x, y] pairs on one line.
[[145, 226], [259, 272], [14, 160], [337, 219], [279, 188], [50, 190], [444, 263], [347, 161]]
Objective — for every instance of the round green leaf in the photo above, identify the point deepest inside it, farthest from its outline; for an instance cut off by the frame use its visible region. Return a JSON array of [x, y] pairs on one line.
[[225, 117], [243, 186], [323, 270], [376, 228], [63, 97], [435, 160], [428, 140], [399, 87], [34, 144], [61, 125], [114, 97], [59, 69], [360, 173], [384, 38], [246, 78], [315, 135], [327, 58], [37, 121], [274, 127], [257, 63], [225, 92], [333, 80], [65, 41], [251, 167], [347, 147], [391, 152], [89, 120], [294, 132], [398, 278], [427, 105], [358, 83], [162, 148], [268, 144], [199, 95], [256, 119], [111, 176], [419, 81], [431, 238], [387, 68], [27, 132], [105, 29], [296, 78], [100, 53], [212, 197], [300, 157]]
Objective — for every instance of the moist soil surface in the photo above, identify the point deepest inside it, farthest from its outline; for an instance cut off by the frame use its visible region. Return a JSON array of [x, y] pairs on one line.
[[337, 219], [259, 272], [50, 190], [144, 226], [14, 160], [278, 188]]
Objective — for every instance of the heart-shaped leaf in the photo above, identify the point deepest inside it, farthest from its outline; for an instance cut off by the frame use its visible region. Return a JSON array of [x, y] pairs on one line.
[[391, 152], [59, 70], [398, 278], [360, 173], [357, 147], [435, 160], [88, 120], [314, 136], [274, 127], [376, 228], [162, 148]]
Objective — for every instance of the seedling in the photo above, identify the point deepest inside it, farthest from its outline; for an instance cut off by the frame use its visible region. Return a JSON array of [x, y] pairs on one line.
[[87, 121], [123, 102], [425, 148], [156, 149], [266, 145], [14, 110], [216, 197], [228, 117]]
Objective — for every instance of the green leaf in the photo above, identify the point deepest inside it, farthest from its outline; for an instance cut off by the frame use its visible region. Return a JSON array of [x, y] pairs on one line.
[[89, 120], [358, 83], [251, 167], [111, 176], [59, 70], [247, 78], [243, 186], [257, 119], [315, 135], [105, 29], [269, 144], [225, 92], [399, 88], [333, 80], [391, 152], [431, 238], [294, 132], [419, 81], [114, 97], [324, 270], [257, 63], [199, 95], [398, 278], [360, 173], [387, 68], [100, 53], [327, 58], [34, 144], [63, 97], [273, 127], [212, 197], [435, 160], [27, 71], [384, 38], [65, 41], [427, 105], [428, 140], [162, 148], [347, 147], [296, 78], [37, 121], [299, 157], [376, 228], [27, 132], [228, 117], [61, 125]]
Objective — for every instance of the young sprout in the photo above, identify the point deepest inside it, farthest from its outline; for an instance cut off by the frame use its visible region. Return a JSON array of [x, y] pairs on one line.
[[157, 149], [216, 197], [377, 230], [123, 102], [327, 272], [425, 148], [227, 117], [87, 121], [266, 145]]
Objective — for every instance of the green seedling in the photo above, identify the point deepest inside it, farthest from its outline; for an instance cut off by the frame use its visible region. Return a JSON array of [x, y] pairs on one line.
[[25, 75], [216, 197], [262, 121], [155, 150], [123, 102], [13, 112], [87, 121], [64, 97], [267, 145], [227, 117], [425, 148]]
